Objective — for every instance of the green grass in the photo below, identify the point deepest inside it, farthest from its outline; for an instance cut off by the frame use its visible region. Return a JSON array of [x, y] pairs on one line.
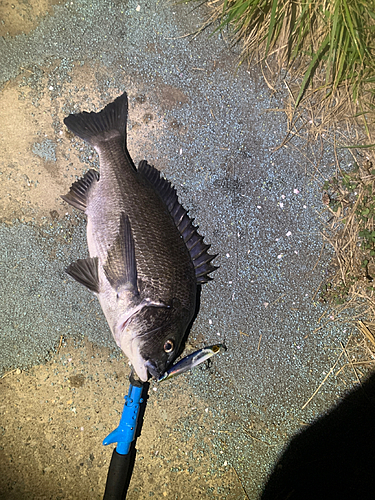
[[330, 42]]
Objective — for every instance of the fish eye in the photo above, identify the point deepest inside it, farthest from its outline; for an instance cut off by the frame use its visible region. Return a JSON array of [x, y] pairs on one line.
[[168, 346]]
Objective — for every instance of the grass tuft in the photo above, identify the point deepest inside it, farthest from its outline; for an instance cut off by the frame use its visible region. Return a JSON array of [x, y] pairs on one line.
[[332, 40]]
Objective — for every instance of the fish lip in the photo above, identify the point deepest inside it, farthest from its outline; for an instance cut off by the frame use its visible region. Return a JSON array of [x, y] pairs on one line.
[[141, 371], [153, 370]]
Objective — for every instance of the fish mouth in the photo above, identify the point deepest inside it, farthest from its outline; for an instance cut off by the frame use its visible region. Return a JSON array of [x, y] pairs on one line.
[[153, 370]]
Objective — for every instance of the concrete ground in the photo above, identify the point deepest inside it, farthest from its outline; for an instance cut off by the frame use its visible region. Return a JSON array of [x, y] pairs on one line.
[[213, 130]]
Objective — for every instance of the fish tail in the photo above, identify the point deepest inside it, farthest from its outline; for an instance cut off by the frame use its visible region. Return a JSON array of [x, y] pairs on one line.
[[96, 128]]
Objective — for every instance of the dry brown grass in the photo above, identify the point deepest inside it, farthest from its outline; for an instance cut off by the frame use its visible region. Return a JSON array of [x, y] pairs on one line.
[[349, 200], [328, 44], [283, 37]]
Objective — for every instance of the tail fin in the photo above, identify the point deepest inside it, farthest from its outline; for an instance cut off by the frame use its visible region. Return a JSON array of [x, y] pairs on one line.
[[96, 128]]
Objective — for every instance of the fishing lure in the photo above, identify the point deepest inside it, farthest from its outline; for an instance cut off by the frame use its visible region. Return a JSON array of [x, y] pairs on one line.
[[192, 360]]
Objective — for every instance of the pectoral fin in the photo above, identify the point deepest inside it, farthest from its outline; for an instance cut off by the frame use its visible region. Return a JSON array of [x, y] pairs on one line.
[[121, 267], [85, 271]]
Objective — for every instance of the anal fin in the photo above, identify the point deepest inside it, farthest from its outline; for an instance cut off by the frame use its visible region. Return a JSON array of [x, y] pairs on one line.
[[80, 190], [85, 271]]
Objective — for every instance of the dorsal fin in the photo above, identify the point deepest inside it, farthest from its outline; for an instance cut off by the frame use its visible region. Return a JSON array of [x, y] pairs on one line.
[[193, 240]]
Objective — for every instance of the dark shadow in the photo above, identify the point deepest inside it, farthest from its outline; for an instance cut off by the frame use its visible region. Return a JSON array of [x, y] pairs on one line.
[[334, 458]]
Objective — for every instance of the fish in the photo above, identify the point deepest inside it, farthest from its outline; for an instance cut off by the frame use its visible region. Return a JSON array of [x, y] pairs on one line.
[[192, 360], [146, 258]]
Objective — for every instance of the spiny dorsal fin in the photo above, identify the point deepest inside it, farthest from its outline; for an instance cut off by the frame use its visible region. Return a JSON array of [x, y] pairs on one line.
[[163, 187], [194, 242], [121, 267], [80, 190], [95, 128], [85, 271]]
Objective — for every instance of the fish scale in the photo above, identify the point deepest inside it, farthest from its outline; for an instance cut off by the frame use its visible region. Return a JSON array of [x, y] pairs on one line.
[[154, 232], [146, 257]]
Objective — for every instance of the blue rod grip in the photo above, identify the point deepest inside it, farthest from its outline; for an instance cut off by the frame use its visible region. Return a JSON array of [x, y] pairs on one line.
[[125, 432]]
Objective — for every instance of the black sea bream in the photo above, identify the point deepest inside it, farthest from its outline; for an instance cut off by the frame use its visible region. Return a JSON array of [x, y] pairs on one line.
[[146, 256]]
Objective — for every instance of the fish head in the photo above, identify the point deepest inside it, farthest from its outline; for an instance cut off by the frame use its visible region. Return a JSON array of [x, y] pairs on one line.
[[151, 340]]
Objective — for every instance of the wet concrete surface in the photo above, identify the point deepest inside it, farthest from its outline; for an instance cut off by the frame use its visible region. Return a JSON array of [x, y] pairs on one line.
[[212, 130]]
